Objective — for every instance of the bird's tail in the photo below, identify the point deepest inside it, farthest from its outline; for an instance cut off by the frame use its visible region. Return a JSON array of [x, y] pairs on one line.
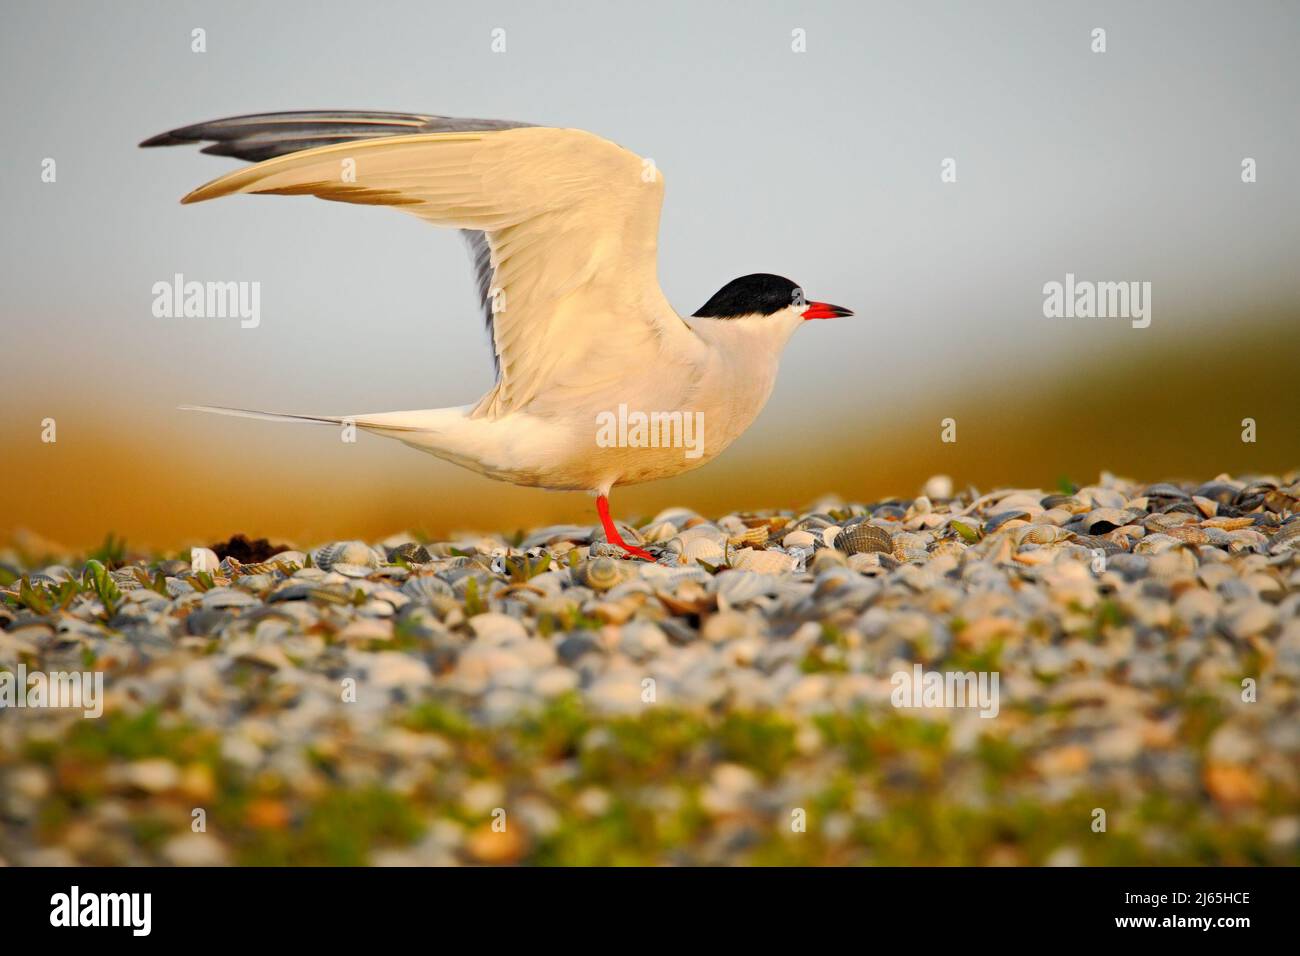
[[376, 423]]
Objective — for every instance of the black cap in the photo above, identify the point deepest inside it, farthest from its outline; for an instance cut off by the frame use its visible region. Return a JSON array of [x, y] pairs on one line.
[[761, 293]]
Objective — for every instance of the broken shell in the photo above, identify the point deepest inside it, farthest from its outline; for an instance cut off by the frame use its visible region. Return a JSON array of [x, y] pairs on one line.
[[1101, 520], [749, 537]]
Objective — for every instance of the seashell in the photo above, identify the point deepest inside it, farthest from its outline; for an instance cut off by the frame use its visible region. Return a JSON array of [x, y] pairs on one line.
[[735, 588], [799, 539], [1018, 501], [1044, 534], [710, 532], [425, 587], [1247, 539], [1164, 489], [889, 511], [762, 562], [1093, 543], [1287, 538], [1068, 502], [816, 523], [204, 559], [126, 579], [678, 517], [176, 587], [54, 574], [1101, 520], [1167, 520], [689, 600], [351, 570], [949, 546], [543, 537], [828, 558], [285, 559], [410, 552], [864, 538], [659, 532], [1188, 534], [1002, 518], [1156, 544], [1282, 500], [1132, 566], [750, 537], [909, 547], [355, 553], [228, 597], [1205, 506], [938, 488], [601, 574], [1216, 537], [1228, 524], [704, 549], [1174, 563], [1221, 492]]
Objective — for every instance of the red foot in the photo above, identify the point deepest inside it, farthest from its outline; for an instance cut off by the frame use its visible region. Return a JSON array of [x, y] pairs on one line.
[[611, 532]]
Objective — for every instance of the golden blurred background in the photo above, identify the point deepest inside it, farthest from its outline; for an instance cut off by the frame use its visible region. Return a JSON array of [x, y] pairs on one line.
[[1149, 413], [822, 166]]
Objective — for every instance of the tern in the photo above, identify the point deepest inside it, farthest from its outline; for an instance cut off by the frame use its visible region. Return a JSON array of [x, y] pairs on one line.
[[562, 228]]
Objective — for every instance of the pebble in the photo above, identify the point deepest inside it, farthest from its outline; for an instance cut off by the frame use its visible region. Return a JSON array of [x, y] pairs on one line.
[[1103, 611]]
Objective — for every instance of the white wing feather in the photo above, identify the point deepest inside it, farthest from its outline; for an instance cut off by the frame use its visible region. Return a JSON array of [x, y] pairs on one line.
[[572, 221]]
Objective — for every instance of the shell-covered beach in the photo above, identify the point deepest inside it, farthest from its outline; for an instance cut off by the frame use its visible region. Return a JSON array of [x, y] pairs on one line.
[[537, 698]]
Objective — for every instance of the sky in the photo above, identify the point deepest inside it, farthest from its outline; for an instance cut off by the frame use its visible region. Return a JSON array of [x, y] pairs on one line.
[[825, 165]]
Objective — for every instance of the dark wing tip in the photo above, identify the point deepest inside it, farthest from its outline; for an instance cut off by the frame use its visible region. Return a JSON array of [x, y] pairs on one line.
[[165, 139]]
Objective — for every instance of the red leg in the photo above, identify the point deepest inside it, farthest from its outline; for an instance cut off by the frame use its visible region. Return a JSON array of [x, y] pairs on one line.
[[611, 532]]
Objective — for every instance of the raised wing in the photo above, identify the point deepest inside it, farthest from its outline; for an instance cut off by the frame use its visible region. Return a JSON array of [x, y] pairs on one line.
[[571, 222], [262, 136]]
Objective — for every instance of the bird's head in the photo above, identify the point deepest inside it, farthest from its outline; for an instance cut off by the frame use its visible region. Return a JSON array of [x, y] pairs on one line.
[[768, 297]]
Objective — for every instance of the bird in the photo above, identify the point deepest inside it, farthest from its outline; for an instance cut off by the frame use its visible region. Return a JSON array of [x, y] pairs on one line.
[[599, 382]]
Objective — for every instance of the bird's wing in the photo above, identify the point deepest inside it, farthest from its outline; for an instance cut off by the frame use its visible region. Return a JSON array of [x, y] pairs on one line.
[[571, 222], [261, 136]]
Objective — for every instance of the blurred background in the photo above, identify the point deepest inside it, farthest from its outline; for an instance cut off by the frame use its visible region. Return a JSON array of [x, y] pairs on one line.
[[823, 166]]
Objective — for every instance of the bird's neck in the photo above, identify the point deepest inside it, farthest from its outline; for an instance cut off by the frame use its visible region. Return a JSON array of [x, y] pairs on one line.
[[756, 339]]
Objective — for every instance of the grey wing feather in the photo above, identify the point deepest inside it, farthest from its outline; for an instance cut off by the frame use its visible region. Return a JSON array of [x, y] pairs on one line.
[[480, 254], [262, 136]]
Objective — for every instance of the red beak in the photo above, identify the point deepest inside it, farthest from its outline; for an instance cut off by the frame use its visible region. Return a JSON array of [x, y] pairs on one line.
[[824, 310]]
